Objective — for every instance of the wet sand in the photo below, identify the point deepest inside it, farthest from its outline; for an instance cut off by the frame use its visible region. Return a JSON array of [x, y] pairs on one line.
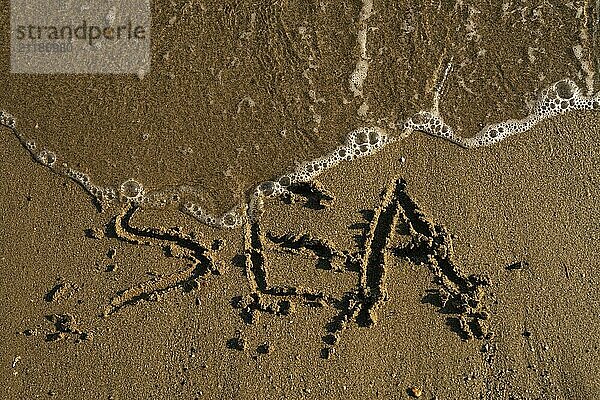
[[96, 306]]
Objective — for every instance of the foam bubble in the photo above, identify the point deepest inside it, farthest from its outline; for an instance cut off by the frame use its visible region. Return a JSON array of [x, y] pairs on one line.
[[285, 181], [110, 193], [229, 220], [132, 189], [367, 136], [432, 124], [101, 194], [565, 89], [359, 143], [46, 158], [78, 176], [7, 120], [561, 97]]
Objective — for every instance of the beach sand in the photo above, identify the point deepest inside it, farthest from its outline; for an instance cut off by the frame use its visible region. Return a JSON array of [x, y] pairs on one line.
[[498, 300]]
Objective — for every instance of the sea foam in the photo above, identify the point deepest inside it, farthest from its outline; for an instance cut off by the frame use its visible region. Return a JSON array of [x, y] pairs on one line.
[[561, 97]]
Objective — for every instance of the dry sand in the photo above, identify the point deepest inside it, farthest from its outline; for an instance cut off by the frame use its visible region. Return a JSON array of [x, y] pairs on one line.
[[94, 306]]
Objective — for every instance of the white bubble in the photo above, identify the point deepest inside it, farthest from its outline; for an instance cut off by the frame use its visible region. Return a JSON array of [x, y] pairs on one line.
[[46, 157], [229, 220], [7, 120], [267, 188], [131, 189]]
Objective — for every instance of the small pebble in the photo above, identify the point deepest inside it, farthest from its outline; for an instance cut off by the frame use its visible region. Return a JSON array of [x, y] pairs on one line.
[[415, 392]]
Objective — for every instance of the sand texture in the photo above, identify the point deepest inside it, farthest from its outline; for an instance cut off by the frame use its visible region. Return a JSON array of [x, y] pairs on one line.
[[419, 269]]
